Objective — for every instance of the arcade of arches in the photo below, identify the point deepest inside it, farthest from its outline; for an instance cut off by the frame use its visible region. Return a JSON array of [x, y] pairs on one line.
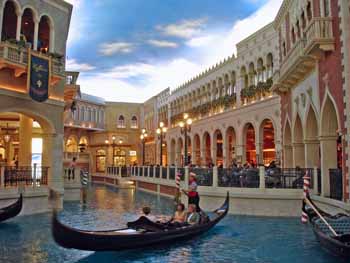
[[221, 147], [25, 26]]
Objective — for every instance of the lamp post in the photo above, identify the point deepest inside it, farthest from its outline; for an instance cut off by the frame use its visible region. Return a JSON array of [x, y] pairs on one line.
[[114, 138], [161, 134], [185, 126], [143, 137]]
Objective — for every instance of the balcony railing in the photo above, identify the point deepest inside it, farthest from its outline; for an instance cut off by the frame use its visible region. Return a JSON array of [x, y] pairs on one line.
[[33, 176], [17, 55], [299, 60], [320, 33]]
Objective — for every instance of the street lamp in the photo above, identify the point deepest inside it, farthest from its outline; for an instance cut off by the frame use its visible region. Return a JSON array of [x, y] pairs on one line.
[[161, 134], [185, 126], [143, 137], [114, 138]]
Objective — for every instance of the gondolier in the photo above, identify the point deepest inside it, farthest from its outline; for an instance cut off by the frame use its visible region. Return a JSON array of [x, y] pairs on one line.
[[193, 196]]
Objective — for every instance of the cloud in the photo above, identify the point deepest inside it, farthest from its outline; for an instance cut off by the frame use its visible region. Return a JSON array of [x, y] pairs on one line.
[[154, 76], [183, 29], [162, 43], [200, 41], [130, 70], [218, 44], [109, 49], [73, 65]]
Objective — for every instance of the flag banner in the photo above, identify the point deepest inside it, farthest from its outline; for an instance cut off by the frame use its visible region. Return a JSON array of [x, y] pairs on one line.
[[39, 77]]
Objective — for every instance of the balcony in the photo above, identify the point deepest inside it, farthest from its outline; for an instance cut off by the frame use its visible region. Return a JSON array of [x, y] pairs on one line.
[[87, 125], [15, 57], [302, 57]]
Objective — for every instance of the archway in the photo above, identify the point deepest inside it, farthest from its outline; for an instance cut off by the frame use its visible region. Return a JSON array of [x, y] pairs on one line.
[[312, 145], [207, 149], [267, 138], [26, 146], [331, 146], [9, 21], [298, 144], [249, 143], [218, 148], [287, 147], [230, 146], [196, 150], [27, 27], [44, 34]]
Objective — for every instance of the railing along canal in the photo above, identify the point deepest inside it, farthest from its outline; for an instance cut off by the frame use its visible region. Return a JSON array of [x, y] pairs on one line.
[[35, 176]]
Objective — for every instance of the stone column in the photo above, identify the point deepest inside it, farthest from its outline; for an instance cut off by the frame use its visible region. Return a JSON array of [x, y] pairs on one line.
[[53, 158], [312, 153], [240, 86], [36, 34], [25, 139], [19, 25], [240, 156], [298, 155], [213, 149], [259, 153], [193, 153], [328, 160], [225, 154], [203, 155]]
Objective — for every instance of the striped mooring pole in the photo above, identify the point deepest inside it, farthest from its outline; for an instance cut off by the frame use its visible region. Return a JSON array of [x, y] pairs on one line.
[[306, 187]]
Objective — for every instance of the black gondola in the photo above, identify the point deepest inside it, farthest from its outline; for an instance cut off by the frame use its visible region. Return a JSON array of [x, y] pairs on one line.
[[337, 245], [11, 210], [131, 237]]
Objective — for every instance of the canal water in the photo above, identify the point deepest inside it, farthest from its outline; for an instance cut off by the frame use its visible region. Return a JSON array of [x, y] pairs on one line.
[[240, 239]]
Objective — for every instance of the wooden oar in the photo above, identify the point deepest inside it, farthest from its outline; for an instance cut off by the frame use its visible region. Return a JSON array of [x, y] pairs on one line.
[[322, 218]]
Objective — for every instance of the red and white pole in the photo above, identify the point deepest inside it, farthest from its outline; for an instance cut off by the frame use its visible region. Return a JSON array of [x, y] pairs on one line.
[[178, 180], [306, 187]]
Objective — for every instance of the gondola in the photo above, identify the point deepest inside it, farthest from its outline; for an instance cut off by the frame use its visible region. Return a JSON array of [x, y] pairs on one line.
[[138, 234], [338, 245], [11, 210]]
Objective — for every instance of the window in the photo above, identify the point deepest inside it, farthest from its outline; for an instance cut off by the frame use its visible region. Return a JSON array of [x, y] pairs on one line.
[[82, 113], [326, 7], [100, 161], [121, 122], [134, 122]]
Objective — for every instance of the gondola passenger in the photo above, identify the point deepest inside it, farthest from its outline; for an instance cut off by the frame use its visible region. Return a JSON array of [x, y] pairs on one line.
[[147, 213], [180, 214], [192, 217]]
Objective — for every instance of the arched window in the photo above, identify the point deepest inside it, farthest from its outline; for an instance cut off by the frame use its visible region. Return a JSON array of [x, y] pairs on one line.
[[27, 27], [134, 124], [44, 34], [9, 21], [121, 122]]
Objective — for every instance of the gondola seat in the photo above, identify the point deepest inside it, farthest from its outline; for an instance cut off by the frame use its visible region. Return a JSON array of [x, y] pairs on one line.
[[341, 225]]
